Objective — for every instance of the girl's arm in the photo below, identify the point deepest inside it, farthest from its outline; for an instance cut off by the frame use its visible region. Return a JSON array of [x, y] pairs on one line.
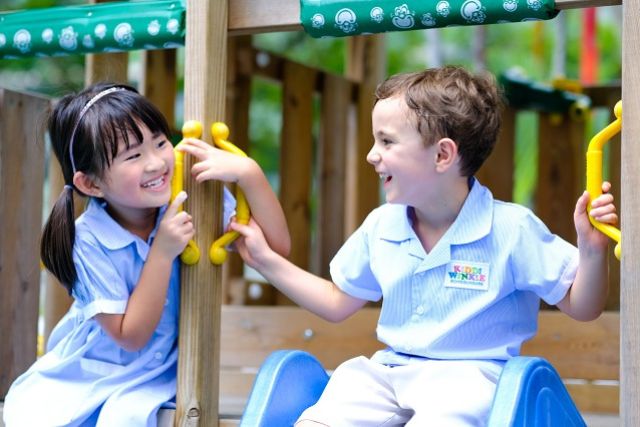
[[587, 296], [313, 293], [224, 166], [133, 329]]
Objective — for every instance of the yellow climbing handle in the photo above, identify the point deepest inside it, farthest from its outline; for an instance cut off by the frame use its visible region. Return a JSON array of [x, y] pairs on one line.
[[190, 129], [594, 173], [217, 252]]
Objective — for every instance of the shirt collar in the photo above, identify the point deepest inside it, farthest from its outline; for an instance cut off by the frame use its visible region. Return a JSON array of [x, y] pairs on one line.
[[111, 234], [472, 223]]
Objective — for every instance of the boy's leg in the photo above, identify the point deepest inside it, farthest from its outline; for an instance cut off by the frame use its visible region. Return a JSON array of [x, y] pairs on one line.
[[447, 393], [358, 394]]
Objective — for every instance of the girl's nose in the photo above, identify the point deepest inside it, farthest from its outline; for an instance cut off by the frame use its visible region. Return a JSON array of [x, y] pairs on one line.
[[155, 163]]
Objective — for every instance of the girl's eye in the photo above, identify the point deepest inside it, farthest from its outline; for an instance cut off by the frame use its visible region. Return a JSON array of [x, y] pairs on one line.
[[162, 143], [132, 157], [387, 141]]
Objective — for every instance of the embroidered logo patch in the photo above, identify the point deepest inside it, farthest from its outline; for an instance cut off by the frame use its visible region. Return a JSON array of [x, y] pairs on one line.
[[467, 275]]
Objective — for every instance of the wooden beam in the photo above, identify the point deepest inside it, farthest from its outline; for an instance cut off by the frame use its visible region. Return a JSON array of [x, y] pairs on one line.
[[630, 204], [201, 288], [259, 16], [21, 180]]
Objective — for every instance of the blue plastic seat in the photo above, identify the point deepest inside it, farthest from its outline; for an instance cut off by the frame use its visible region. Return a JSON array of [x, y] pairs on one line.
[[530, 393]]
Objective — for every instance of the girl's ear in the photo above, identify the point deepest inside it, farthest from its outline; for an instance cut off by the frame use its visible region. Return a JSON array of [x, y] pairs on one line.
[[87, 184], [446, 154]]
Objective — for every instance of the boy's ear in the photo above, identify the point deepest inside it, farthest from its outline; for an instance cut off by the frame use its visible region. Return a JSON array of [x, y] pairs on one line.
[[87, 184], [446, 154]]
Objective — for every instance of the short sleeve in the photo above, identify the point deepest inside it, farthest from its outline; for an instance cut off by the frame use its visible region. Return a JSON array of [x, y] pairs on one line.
[[351, 267], [229, 206], [543, 262], [100, 288]]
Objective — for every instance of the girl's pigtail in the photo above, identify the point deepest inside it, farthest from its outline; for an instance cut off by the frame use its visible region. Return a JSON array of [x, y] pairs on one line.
[[58, 236]]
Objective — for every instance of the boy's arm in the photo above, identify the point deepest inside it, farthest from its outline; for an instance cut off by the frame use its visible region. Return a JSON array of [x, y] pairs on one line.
[[587, 296], [313, 293]]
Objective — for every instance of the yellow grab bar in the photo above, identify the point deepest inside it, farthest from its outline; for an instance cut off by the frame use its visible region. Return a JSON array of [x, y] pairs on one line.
[[217, 252], [594, 173], [190, 129]]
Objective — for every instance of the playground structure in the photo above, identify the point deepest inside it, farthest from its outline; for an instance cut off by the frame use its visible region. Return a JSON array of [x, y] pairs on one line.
[[204, 350]]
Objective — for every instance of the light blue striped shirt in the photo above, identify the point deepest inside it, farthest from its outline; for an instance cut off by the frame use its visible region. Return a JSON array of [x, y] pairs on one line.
[[474, 296]]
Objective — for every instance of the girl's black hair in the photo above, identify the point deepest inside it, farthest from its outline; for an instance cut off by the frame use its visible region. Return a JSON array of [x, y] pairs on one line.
[[113, 118]]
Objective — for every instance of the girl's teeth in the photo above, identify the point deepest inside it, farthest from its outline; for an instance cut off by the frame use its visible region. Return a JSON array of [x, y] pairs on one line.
[[154, 183]]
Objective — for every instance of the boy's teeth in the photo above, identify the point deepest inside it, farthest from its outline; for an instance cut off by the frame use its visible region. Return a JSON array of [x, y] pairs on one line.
[[154, 183]]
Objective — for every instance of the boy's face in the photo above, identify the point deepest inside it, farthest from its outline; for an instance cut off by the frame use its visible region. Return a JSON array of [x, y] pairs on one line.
[[405, 165]]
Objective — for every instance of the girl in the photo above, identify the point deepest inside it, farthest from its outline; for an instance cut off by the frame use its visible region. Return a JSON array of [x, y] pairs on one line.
[[111, 360]]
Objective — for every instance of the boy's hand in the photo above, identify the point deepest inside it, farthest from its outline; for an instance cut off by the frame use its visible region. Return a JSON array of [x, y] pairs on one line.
[[175, 230], [252, 246], [213, 163], [602, 210]]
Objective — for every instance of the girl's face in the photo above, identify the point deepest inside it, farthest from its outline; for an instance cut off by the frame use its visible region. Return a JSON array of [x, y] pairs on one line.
[[139, 177], [405, 165]]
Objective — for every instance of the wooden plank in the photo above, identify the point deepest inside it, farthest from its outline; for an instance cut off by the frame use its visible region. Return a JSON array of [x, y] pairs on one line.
[[594, 397], [250, 334], [560, 172], [296, 158], [630, 204], [21, 181], [586, 350], [201, 289], [334, 130], [159, 81], [497, 171], [259, 16]]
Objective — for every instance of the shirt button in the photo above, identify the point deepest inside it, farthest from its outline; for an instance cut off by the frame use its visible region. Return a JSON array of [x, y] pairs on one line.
[[415, 317], [166, 302], [420, 309], [158, 355]]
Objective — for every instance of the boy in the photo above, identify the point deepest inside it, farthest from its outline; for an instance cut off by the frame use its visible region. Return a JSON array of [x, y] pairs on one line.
[[460, 274]]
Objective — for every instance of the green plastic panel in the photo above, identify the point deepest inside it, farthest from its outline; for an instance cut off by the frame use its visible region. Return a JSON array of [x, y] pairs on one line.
[[106, 27], [336, 18]]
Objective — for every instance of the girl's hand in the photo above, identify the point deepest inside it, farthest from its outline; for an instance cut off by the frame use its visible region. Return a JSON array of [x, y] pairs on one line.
[[252, 245], [213, 163], [175, 230], [602, 210]]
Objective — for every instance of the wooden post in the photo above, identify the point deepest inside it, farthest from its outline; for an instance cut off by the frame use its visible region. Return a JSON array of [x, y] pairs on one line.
[[561, 168], [332, 149], [497, 171], [21, 179], [158, 81], [296, 154], [630, 204], [365, 64], [201, 288]]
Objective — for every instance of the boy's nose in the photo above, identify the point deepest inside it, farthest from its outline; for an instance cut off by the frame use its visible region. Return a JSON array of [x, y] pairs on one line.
[[372, 156]]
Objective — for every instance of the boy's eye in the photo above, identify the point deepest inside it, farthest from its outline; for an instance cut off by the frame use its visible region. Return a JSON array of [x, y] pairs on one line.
[[132, 156], [162, 143], [387, 141]]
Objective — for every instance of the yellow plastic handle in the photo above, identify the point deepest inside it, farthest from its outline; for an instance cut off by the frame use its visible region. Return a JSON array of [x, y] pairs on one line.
[[594, 173], [217, 252], [190, 129]]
